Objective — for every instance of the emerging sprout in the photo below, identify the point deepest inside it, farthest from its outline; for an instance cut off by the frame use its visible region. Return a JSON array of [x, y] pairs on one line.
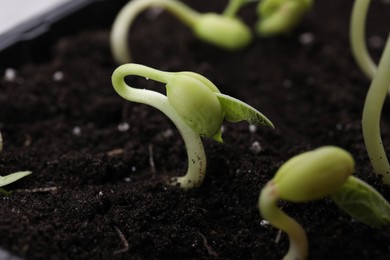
[[280, 16], [372, 113], [377, 92], [309, 176], [225, 31], [195, 106]]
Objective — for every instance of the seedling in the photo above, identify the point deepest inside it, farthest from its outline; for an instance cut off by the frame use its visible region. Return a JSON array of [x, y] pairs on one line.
[[5, 180], [372, 113], [280, 16], [377, 92], [309, 176], [223, 30], [195, 106]]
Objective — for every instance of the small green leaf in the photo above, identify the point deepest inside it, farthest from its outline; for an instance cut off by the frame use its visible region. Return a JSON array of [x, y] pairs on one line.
[[5, 180], [236, 110], [363, 203]]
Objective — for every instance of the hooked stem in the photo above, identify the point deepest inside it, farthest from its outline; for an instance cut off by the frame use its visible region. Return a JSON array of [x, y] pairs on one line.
[[126, 17], [195, 151], [372, 113], [298, 248]]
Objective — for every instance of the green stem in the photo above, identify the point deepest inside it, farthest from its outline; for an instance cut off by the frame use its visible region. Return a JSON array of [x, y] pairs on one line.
[[195, 151], [372, 113], [126, 17], [358, 40], [233, 7], [298, 249]]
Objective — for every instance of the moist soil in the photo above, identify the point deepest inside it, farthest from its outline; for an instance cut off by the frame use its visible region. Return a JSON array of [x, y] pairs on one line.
[[98, 160]]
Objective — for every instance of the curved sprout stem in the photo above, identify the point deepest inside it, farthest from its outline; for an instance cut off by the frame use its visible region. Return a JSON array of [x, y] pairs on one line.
[[126, 17], [357, 38], [298, 248], [372, 113], [195, 151]]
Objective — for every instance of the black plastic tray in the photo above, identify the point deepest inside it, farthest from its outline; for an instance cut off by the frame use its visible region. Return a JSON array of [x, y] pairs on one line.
[[31, 40]]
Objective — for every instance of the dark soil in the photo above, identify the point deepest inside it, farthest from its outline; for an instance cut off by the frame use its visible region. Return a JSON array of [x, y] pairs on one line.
[[92, 183]]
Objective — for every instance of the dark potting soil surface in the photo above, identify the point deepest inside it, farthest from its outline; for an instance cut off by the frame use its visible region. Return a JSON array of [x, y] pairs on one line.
[[94, 187]]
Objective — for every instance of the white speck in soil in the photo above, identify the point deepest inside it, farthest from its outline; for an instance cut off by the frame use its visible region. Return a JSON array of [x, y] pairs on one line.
[[252, 129], [255, 148], [58, 76], [264, 223], [306, 38], [10, 74], [100, 193], [123, 127], [167, 133], [127, 179], [76, 130], [133, 168]]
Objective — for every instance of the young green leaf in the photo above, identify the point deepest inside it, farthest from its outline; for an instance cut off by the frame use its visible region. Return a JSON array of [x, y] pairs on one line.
[[363, 203], [235, 110], [5, 180]]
